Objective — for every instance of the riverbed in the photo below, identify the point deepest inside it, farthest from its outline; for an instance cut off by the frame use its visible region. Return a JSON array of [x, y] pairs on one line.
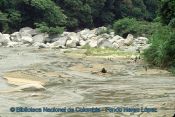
[[75, 80]]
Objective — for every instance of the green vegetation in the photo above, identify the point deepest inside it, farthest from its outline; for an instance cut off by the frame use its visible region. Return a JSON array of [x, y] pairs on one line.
[[88, 51], [43, 14], [167, 12], [106, 52], [127, 26], [161, 52], [53, 16]]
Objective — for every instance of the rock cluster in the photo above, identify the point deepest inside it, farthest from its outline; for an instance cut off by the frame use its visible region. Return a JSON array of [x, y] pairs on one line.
[[92, 38]]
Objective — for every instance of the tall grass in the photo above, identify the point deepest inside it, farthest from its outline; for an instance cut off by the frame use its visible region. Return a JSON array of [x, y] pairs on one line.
[[162, 50]]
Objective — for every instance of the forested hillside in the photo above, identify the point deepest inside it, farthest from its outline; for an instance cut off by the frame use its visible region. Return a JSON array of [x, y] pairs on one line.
[[54, 15]]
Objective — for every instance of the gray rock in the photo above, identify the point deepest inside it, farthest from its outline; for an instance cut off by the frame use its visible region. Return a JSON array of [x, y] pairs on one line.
[[61, 42], [129, 40], [31, 87], [52, 40], [40, 45], [105, 44], [112, 34], [116, 45], [73, 40], [7, 36], [12, 44], [55, 37], [83, 43], [29, 31], [74, 36], [27, 39], [87, 34], [120, 42], [115, 38], [3, 39], [142, 40], [71, 43], [41, 38], [106, 36], [93, 43], [16, 37], [100, 30]]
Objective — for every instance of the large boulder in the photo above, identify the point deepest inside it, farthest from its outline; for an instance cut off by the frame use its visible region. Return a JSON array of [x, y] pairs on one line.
[[112, 34], [73, 40], [7, 36], [93, 43], [12, 44], [27, 39], [71, 43], [115, 39], [74, 36], [55, 37], [100, 30], [83, 43], [120, 42], [106, 36], [116, 45], [87, 34], [52, 40], [105, 44], [61, 42], [40, 45], [65, 34], [129, 40], [40, 38], [141, 40], [16, 37], [29, 31], [4, 39], [31, 87]]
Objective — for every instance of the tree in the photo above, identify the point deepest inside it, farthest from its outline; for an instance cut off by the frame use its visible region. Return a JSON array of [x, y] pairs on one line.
[[32, 13], [78, 13], [44, 13], [167, 12], [152, 7]]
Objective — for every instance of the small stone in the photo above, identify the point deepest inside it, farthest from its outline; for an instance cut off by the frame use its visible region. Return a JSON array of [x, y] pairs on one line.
[[103, 70]]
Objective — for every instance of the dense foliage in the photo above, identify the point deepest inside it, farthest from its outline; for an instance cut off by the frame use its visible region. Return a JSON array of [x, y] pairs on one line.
[[53, 15], [40, 13], [127, 26], [162, 50], [168, 12]]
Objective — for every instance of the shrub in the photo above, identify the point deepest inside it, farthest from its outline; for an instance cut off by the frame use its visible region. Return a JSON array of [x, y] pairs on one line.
[[43, 27], [133, 26], [106, 30], [161, 52]]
